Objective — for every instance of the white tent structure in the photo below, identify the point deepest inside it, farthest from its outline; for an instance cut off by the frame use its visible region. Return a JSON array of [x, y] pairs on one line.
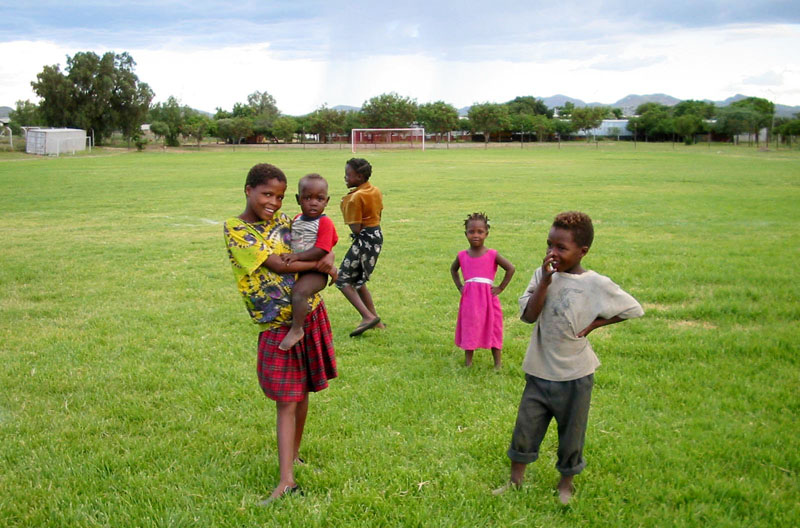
[[54, 141]]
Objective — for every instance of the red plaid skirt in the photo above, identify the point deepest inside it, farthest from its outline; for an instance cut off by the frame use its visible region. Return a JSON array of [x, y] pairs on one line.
[[288, 375]]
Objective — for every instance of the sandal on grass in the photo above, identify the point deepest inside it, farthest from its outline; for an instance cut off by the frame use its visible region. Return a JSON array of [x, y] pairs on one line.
[[360, 329], [505, 487], [287, 490]]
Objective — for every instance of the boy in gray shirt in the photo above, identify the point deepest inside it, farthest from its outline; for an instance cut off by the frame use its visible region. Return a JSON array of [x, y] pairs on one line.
[[566, 302]]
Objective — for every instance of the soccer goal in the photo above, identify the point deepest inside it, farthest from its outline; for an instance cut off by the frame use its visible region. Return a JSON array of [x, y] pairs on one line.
[[379, 138]]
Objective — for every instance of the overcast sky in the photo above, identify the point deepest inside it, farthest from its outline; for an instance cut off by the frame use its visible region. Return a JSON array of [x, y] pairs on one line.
[[306, 53]]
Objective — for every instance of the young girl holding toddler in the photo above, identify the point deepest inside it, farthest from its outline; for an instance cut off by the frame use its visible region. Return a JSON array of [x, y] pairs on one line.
[[480, 318], [255, 241]]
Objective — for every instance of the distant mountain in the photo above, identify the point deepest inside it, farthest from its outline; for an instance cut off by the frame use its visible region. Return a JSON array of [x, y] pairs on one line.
[[5, 110], [729, 100], [629, 103], [786, 111], [346, 108], [560, 100]]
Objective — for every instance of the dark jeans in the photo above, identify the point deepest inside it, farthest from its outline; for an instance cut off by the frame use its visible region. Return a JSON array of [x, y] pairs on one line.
[[542, 400]]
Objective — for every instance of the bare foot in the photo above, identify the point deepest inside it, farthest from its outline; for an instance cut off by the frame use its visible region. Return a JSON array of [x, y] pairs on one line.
[[292, 338], [565, 490]]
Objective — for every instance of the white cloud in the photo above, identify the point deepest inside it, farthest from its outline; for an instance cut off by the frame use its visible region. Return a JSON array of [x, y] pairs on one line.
[[624, 64], [206, 79], [769, 78], [686, 63], [22, 61]]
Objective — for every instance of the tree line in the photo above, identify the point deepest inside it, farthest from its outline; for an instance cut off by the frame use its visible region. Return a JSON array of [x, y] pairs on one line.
[[102, 94]]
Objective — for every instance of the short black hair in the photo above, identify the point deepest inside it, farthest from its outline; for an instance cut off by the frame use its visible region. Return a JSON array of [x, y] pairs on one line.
[[262, 173], [361, 166], [311, 176], [579, 224], [477, 216]]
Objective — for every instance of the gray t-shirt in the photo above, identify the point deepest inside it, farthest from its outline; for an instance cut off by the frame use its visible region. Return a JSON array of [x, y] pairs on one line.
[[572, 303], [304, 233]]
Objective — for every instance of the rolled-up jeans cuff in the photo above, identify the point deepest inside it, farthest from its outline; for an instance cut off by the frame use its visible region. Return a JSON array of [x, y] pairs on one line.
[[521, 458], [568, 472]]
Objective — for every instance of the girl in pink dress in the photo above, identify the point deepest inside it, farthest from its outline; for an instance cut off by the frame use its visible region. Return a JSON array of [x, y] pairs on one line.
[[480, 318]]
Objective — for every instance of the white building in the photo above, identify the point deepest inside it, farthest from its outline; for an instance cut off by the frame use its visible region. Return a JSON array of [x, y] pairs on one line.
[[610, 127], [54, 141]]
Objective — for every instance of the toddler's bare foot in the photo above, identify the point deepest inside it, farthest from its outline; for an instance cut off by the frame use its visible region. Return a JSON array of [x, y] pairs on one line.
[[565, 490], [292, 338]]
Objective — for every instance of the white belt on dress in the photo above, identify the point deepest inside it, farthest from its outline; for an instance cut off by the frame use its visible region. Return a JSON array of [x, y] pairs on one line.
[[479, 279]]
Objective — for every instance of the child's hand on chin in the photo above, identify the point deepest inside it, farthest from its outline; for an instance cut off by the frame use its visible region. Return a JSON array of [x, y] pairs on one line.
[[548, 267]]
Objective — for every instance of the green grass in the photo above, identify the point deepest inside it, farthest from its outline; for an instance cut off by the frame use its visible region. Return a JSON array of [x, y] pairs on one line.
[[128, 394]]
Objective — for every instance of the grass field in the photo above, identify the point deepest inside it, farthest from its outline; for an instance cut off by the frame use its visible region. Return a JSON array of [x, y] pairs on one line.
[[128, 393]]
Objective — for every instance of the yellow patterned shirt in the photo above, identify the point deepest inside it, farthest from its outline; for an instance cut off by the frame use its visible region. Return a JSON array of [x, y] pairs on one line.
[[267, 294]]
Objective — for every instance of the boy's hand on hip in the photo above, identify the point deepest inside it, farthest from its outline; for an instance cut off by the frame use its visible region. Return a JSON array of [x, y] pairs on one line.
[[597, 323], [586, 331]]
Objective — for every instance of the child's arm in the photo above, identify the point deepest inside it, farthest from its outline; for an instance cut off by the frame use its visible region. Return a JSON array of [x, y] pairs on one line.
[[510, 269], [314, 253], [327, 265], [536, 301], [454, 267], [276, 263], [324, 265], [597, 323], [356, 228], [618, 305]]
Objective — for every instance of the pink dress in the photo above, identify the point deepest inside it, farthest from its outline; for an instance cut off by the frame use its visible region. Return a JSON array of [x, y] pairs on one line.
[[480, 318]]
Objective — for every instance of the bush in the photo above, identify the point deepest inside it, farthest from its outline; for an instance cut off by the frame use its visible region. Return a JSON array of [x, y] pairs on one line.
[[140, 142]]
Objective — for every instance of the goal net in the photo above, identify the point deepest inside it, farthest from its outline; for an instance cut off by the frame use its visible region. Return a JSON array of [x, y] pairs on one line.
[[382, 138]]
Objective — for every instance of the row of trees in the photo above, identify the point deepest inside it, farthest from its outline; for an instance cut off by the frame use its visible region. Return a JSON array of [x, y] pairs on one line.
[[526, 115], [103, 95], [656, 121]]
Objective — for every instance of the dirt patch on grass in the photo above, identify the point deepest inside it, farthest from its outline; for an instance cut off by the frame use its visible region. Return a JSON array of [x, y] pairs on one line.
[[692, 324], [656, 306]]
